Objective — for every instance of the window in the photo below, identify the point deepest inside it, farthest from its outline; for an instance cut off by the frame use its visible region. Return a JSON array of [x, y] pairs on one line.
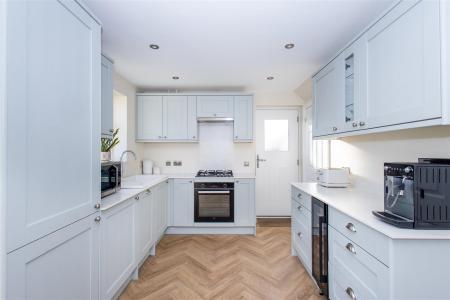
[[276, 135], [120, 121]]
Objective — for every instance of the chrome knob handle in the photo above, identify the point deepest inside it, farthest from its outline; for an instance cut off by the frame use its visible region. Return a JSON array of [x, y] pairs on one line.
[[147, 191], [299, 207], [299, 195], [190, 181], [236, 137], [165, 137], [237, 181], [193, 136], [351, 248], [160, 137], [362, 123], [111, 130], [215, 115], [354, 124], [350, 227], [299, 234], [97, 206], [136, 198], [97, 219], [334, 128], [350, 293]]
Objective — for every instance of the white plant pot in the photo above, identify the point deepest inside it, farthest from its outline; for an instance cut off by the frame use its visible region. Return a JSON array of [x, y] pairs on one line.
[[105, 156]]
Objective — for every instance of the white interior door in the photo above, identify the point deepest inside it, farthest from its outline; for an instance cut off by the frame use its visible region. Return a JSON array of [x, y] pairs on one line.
[[277, 149]]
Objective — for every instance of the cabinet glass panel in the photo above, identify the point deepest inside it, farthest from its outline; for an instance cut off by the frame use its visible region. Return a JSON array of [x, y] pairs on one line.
[[349, 89]]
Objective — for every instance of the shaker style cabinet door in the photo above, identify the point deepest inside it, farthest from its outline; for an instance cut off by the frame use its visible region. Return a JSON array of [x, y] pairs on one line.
[[117, 248], [183, 202], [144, 237], [107, 97], [175, 117], [328, 100], [215, 106], [403, 65], [53, 118], [244, 202], [149, 117], [243, 118], [61, 265]]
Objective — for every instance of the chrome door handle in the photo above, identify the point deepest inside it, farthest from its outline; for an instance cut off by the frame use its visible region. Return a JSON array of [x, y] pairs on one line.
[[299, 208], [350, 227], [299, 234], [351, 248], [362, 123], [350, 293], [334, 128], [136, 198], [299, 195], [214, 192], [258, 160], [97, 219], [355, 124], [97, 206], [147, 191]]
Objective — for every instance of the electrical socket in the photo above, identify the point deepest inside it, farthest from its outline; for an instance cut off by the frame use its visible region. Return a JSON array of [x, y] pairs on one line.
[[168, 163], [246, 164], [177, 163]]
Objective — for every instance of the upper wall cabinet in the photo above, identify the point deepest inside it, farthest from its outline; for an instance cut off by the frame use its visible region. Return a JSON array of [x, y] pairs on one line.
[[53, 113], [329, 99], [107, 97], [403, 65], [215, 106], [389, 78], [166, 118], [243, 118], [174, 117]]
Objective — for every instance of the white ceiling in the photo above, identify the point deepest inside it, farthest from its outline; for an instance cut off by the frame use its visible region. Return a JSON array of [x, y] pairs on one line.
[[227, 44]]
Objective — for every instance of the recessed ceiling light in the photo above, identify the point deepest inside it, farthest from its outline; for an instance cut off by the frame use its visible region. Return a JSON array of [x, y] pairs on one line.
[[154, 46], [270, 78], [289, 46], [175, 77]]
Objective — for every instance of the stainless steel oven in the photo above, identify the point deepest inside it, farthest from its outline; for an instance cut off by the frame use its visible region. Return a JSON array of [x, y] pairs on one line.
[[214, 202]]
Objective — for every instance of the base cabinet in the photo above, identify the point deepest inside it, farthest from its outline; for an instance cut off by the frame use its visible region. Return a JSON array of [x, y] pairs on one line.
[[117, 248], [61, 265], [144, 232], [244, 202], [182, 202], [159, 213]]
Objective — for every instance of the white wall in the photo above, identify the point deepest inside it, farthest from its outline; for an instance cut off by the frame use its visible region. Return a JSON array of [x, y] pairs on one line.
[[366, 154], [216, 148], [120, 121], [124, 87], [2, 146]]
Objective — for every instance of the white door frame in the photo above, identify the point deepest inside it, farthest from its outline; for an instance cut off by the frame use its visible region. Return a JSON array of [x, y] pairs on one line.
[[299, 109]]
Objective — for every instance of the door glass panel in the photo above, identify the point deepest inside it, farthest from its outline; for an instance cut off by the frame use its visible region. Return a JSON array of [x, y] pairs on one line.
[[349, 89], [276, 135], [214, 206]]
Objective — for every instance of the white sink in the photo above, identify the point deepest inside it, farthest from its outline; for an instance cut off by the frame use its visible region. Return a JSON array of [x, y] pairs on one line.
[[139, 181]]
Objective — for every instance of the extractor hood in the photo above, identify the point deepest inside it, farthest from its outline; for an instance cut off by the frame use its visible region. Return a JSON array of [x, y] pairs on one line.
[[214, 119]]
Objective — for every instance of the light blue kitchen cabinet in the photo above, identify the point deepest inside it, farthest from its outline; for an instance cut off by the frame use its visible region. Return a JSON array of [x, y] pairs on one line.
[[107, 97], [117, 247], [243, 118], [329, 103], [166, 118], [215, 106], [61, 265], [183, 202], [53, 121], [149, 118], [403, 65], [159, 210], [143, 227], [244, 202]]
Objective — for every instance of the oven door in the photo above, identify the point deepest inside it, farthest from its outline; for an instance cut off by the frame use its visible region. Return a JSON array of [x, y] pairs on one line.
[[214, 205]]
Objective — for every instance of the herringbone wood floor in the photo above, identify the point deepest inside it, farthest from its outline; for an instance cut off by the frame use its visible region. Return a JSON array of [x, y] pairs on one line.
[[224, 267]]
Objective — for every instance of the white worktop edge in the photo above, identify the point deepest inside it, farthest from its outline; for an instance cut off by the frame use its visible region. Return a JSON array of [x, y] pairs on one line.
[[359, 204]]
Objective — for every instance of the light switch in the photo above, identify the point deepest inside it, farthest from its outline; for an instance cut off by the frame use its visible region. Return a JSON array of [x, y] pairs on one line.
[[246, 164]]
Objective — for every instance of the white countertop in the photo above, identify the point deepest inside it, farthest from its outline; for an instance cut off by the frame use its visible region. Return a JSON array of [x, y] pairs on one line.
[[359, 205], [125, 194]]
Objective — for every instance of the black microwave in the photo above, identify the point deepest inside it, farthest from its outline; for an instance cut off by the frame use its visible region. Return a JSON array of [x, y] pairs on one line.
[[417, 195], [110, 177]]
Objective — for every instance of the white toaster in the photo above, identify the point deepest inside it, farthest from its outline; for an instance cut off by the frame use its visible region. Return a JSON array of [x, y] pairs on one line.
[[334, 177]]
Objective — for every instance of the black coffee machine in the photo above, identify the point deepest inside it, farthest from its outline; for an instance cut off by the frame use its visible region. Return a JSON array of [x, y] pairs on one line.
[[417, 195]]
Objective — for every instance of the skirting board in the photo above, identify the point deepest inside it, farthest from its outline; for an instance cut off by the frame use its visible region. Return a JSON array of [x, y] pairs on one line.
[[211, 230]]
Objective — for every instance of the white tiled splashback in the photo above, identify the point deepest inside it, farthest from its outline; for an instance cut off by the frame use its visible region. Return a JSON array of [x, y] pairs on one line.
[[215, 150]]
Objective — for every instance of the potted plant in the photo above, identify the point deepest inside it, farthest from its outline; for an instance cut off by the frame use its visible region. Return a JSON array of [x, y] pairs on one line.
[[108, 144]]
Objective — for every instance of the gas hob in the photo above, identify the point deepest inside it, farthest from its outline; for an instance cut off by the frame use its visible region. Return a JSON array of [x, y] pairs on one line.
[[214, 176]]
